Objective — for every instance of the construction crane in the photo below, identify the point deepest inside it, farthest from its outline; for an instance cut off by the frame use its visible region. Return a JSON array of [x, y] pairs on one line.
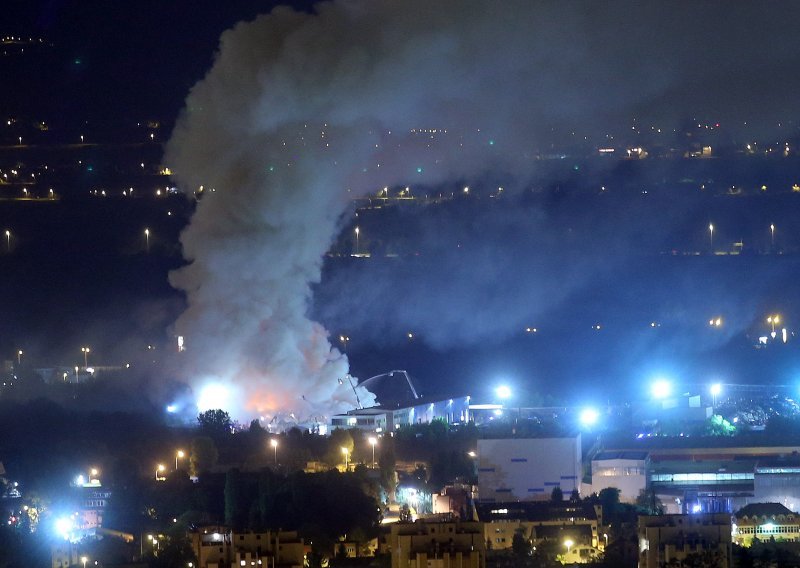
[[350, 379]]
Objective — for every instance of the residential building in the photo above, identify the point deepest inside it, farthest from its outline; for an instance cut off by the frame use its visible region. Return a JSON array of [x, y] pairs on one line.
[[573, 525], [765, 521], [675, 538], [220, 547], [443, 542]]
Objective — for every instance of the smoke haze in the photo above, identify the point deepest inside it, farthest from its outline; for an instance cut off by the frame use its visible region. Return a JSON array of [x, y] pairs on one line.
[[302, 112]]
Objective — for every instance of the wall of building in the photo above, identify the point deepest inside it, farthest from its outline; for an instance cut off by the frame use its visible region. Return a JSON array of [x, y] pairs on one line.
[[629, 476], [667, 538], [528, 469]]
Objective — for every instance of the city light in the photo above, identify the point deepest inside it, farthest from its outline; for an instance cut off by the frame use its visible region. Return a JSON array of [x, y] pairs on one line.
[[661, 389], [589, 416], [503, 392], [64, 527], [569, 543], [274, 444], [373, 442]]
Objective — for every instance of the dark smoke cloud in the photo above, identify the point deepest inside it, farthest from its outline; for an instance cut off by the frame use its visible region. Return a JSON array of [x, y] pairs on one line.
[[302, 112]]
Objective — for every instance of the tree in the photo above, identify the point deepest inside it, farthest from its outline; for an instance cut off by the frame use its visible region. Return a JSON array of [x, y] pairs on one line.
[[215, 422], [203, 455], [557, 495], [718, 426], [648, 502], [339, 439], [235, 512], [609, 500], [387, 464], [520, 546]]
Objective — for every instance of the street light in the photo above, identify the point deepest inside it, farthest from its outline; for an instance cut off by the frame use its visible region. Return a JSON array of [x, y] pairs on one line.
[[661, 389], [568, 543], [180, 454], [84, 560], [605, 536], [358, 232], [344, 339], [372, 441], [147, 239], [589, 416], [86, 351], [503, 392], [346, 453], [19, 357], [159, 469], [8, 240], [772, 234], [274, 443], [773, 321], [716, 388], [93, 473], [711, 236]]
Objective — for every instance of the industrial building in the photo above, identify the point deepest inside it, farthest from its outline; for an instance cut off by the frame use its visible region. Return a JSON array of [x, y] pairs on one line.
[[702, 480], [419, 411], [624, 470], [528, 469]]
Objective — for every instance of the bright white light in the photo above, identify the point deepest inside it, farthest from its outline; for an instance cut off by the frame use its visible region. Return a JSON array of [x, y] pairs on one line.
[[661, 389], [64, 526], [589, 416], [172, 408], [498, 412], [503, 391], [696, 508], [716, 388], [212, 396]]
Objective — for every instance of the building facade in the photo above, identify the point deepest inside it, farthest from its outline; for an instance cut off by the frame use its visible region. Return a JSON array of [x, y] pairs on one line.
[[219, 547], [678, 538], [437, 543], [528, 469], [765, 521], [626, 471]]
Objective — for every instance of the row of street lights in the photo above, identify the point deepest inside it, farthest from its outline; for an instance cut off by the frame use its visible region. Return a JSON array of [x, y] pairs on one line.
[[161, 468], [711, 234], [373, 441]]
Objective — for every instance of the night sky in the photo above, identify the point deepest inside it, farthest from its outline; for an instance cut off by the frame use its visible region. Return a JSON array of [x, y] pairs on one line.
[[574, 243]]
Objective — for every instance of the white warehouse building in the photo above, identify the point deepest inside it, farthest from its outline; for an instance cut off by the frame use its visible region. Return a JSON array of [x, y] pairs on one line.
[[528, 469]]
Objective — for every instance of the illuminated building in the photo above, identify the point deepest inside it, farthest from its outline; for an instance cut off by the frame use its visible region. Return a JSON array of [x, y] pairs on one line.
[[515, 469], [217, 547], [435, 543], [385, 418], [665, 540], [765, 521]]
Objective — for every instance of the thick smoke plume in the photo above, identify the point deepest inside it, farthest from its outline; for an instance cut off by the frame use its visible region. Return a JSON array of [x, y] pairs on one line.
[[301, 112]]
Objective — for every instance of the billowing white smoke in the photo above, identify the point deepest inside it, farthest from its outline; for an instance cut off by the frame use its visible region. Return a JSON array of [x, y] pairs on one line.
[[303, 112]]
